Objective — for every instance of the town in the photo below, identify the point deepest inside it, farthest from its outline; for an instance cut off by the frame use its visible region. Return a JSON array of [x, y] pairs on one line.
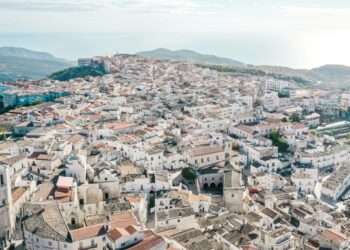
[[160, 154]]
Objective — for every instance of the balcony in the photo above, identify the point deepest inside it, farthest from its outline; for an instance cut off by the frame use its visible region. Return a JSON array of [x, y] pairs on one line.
[[92, 246], [283, 241]]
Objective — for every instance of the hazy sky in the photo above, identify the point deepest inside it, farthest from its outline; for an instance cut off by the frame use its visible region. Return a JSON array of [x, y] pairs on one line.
[[297, 33]]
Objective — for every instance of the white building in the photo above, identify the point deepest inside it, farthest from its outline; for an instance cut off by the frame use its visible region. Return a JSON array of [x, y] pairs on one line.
[[205, 156], [76, 167], [276, 85], [337, 183], [7, 220], [271, 101], [312, 119], [305, 179], [277, 239], [181, 218]]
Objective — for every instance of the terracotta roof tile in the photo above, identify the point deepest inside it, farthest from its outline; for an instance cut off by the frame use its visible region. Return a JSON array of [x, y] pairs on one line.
[[334, 236], [87, 232]]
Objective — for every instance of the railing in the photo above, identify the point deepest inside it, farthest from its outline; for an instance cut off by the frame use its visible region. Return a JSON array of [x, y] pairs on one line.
[[283, 241], [88, 247]]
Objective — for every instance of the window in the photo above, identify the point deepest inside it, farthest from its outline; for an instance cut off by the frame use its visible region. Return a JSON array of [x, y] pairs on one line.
[[65, 245], [103, 238], [50, 243], [92, 242], [178, 220], [37, 239], [1, 179]]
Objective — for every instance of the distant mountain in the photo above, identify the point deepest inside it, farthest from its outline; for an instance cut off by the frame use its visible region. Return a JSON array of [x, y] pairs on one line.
[[327, 76], [19, 63], [26, 53], [331, 73], [189, 55]]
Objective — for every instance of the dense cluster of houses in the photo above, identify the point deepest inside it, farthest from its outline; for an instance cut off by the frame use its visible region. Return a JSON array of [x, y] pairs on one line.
[[103, 166]]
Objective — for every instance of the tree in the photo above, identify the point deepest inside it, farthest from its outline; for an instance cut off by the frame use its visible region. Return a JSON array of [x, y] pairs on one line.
[[37, 102], [275, 134], [188, 173], [284, 119], [295, 117], [234, 146], [278, 141], [2, 133]]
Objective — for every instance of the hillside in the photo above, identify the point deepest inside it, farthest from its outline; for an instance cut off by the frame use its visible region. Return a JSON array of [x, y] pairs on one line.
[[189, 55], [339, 74], [327, 76], [78, 72], [26, 53], [19, 63]]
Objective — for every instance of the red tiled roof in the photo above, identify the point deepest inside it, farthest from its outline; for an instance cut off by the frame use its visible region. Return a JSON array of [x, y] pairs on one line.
[[123, 220], [116, 233], [334, 236], [249, 247], [75, 138], [17, 193], [64, 197], [131, 229], [299, 126], [207, 150], [149, 241], [65, 182], [132, 199], [120, 125], [87, 232]]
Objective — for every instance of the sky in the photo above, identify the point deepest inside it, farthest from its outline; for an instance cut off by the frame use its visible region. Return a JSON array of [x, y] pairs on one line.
[[293, 33]]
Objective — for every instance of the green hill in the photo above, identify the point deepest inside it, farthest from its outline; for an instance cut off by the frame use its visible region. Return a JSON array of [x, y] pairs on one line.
[[78, 72]]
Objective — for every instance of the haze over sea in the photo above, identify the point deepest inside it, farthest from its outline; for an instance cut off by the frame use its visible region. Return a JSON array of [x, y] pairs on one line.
[[249, 48], [298, 33]]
